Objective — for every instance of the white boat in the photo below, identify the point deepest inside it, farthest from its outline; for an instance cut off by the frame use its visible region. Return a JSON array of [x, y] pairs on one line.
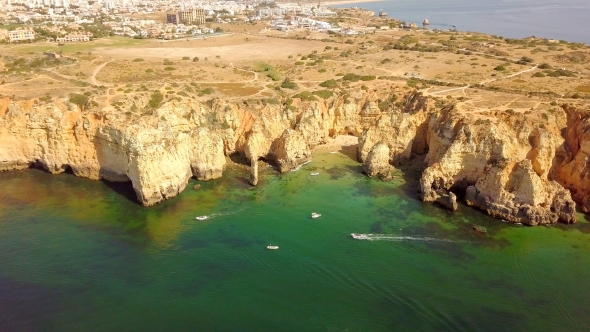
[[358, 236], [315, 215], [518, 223], [202, 218], [272, 247], [315, 173]]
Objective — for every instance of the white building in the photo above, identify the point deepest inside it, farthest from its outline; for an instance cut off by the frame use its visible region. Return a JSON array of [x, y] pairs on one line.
[[21, 35]]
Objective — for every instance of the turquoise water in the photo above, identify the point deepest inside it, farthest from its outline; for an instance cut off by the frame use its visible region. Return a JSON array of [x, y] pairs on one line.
[[558, 19], [79, 255]]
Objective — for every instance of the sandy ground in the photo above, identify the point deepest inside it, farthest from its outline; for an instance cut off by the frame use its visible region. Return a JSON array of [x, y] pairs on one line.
[[338, 143], [228, 48]]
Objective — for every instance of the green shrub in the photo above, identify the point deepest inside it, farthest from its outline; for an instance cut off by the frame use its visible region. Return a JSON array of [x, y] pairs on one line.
[[169, 68], [306, 96], [500, 68], [149, 70], [155, 99], [207, 91], [186, 58], [288, 84], [137, 59], [545, 66], [168, 62], [196, 59], [325, 94], [271, 101], [329, 84], [78, 99]]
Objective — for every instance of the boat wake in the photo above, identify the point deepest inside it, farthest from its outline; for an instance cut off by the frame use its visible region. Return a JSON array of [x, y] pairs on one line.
[[299, 167], [220, 214], [399, 238]]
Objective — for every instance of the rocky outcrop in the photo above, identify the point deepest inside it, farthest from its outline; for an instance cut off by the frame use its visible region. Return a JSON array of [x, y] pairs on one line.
[[207, 155], [402, 130], [291, 151], [377, 162], [572, 162], [157, 154], [501, 167]]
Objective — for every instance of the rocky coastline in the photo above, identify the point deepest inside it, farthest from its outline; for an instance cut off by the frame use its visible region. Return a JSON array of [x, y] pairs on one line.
[[508, 165]]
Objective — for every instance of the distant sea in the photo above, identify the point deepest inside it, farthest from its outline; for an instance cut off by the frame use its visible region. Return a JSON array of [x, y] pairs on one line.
[[554, 19]]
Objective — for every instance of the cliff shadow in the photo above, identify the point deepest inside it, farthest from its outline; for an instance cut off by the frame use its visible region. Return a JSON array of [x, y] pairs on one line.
[[351, 151], [411, 172], [239, 158], [124, 189]]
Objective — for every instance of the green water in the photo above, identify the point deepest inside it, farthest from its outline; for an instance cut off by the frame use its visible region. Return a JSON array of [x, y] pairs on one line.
[[79, 255]]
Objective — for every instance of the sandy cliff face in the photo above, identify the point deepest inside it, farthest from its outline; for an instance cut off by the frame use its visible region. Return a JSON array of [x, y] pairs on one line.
[[158, 154], [507, 165], [377, 162], [502, 167], [572, 165]]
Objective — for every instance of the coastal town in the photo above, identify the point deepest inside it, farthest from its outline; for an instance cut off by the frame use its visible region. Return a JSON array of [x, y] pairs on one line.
[[64, 21]]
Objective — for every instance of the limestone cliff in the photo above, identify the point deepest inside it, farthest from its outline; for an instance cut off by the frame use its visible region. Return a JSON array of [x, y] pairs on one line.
[[508, 164], [377, 162], [572, 165], [501, 166]]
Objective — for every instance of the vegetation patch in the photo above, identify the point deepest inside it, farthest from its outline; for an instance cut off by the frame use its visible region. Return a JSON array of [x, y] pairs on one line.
[[268, 70], [329, 84], [288, 84], [305, 96], [355, 78], [325, 94]]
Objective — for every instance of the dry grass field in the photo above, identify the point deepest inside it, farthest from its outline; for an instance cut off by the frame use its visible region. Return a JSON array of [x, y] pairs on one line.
[[479, 72]]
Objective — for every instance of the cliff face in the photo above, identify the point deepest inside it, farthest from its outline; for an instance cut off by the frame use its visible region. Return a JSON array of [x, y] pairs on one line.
[[572, 165], [506, 164], [158, 154], [502, 166]]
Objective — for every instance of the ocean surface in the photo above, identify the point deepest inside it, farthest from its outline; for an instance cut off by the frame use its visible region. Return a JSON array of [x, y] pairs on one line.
[[554, 19], [80, 255]]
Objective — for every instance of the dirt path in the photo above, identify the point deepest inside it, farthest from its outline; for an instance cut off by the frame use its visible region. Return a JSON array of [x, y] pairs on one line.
[[96, 71], [487, 81]]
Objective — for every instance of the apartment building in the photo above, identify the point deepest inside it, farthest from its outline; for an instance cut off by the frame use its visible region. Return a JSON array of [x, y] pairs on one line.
[[193, 16], [21, 35]]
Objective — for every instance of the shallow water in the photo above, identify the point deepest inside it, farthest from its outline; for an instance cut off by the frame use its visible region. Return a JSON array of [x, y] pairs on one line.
[[80, 255], [554, 19]]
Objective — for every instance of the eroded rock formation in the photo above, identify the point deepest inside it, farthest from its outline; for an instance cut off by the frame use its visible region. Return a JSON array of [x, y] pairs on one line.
[[377, 162], [508, 165]]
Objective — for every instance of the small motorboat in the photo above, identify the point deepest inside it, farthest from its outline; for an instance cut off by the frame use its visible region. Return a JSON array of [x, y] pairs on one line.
[[270, 247], [479, 229], [315, 215], [358, 236], [518, 223], [202, 218], [315, 173]]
